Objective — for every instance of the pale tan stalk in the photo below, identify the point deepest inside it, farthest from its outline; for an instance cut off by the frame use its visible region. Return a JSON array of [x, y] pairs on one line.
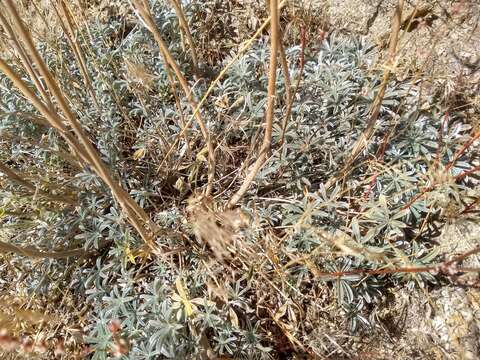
[[53, 87], [52, 119], [81, 13], [16, 178], [288, 90], [69, 31], [143, 11], [272, 77], [25, 60], [120, 195], [362, 141], [135, 214], [184, 24], [28, 64], [214, 83], [286, 73]]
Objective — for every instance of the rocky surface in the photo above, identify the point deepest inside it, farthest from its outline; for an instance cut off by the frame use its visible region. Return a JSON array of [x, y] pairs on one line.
[[443, 51], [441, 47], [440, 324]]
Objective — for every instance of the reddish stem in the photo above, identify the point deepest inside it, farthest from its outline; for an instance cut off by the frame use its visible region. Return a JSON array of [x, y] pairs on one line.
[[445, 267], [370, 187], [466, 173], [468, 208], [448, 167], [440, 139], [462, 150]]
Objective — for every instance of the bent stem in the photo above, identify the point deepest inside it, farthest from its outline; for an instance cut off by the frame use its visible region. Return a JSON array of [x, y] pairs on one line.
[[80, 142], [214, 83], [143, 11], [362, 141], [16, 178], [272, 77], [184, 24]]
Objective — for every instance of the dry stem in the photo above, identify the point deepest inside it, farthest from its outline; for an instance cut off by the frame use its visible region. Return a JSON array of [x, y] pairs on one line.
[[83, 147], [143, 11], [184, 24], [267, 139], [16, 178], [362, 141]]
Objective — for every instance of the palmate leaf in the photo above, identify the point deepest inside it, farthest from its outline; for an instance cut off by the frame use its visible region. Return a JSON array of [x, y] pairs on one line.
[[277, 254]]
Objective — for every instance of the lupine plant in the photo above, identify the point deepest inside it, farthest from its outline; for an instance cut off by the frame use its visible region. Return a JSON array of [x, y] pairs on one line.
[[295, 268]]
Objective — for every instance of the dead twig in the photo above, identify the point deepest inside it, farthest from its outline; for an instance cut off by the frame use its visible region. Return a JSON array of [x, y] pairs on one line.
[[142, 10], [184, 24], [78, 140], [272, 77], [295, 89], [364, 138], [16, 178]]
